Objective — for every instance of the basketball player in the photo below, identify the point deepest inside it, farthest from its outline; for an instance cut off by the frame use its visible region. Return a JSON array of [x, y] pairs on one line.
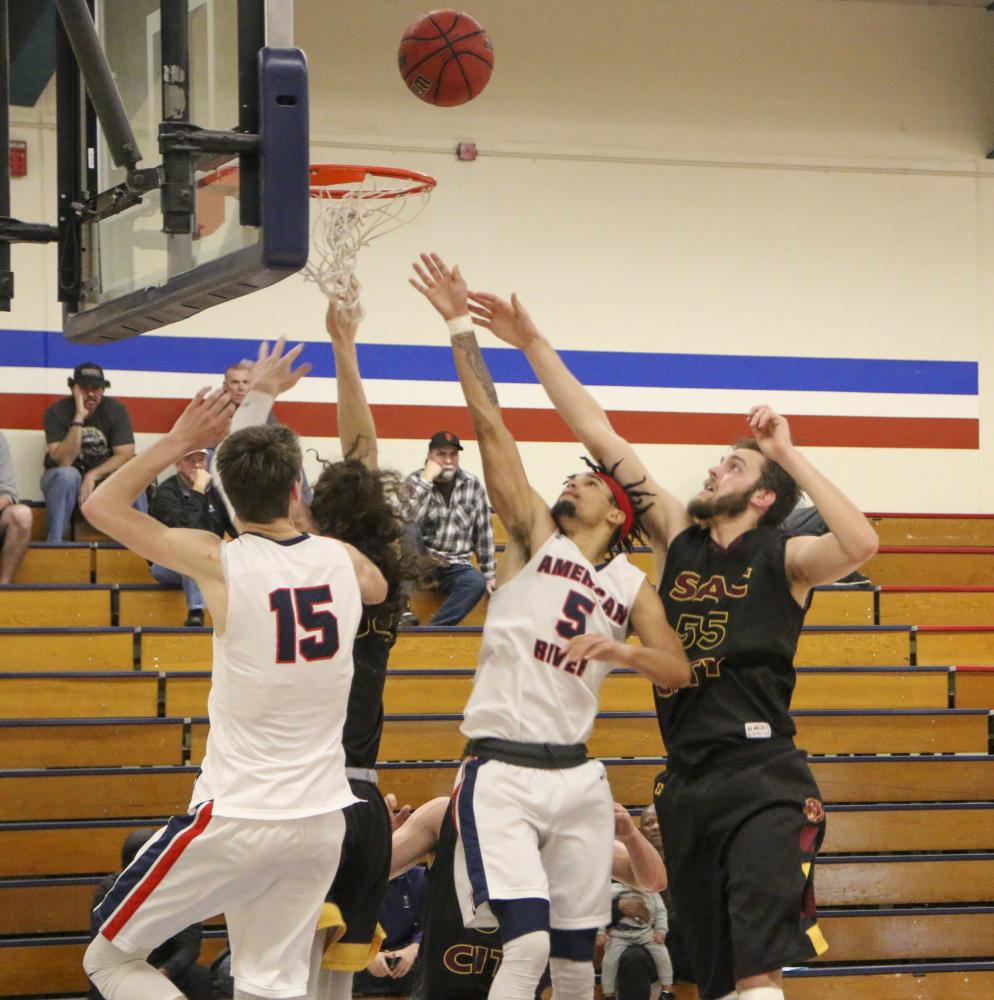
[[354, 501], [262, 839], [741, 815], [459, 963], [534, 814]]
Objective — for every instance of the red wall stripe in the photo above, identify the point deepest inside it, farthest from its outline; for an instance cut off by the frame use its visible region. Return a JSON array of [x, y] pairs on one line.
[[23, 411]]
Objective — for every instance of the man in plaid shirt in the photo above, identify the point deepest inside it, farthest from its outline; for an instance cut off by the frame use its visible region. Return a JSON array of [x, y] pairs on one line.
[[449, 507]]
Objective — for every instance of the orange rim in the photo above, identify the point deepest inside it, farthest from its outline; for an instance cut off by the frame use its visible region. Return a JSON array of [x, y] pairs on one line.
[[324, 177]]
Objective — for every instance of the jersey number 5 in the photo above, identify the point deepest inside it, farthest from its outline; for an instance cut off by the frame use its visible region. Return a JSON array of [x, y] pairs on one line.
[[295, 607], [575, 611]]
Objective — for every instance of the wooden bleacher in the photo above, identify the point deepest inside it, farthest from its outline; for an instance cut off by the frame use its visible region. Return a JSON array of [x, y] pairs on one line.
[[105, 722]]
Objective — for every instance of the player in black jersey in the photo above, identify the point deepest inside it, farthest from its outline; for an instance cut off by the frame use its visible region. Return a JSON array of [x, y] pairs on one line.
[[741, 815], [355, 501], [457, 962]]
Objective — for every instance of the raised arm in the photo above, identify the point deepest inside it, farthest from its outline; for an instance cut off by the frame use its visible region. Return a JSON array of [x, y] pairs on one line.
[[269, 375], [851, 539], [636, 862], [511, 322], [190, 552], [660, 657], [356, 429], [523, 512]]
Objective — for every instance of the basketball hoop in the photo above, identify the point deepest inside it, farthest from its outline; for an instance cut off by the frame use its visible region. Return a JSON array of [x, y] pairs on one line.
[[358, 204]]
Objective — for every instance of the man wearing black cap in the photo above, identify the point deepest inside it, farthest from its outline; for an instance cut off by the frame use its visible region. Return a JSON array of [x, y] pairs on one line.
[[449, 507], [87, 437]]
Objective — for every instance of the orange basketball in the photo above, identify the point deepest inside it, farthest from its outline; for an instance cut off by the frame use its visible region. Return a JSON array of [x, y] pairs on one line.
[[446, 58]]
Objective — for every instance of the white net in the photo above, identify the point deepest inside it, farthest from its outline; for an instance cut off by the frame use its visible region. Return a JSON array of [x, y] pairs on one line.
[[359, 213]]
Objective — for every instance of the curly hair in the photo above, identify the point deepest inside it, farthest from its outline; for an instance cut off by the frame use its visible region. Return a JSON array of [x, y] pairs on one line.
[[361, 506], [640, 504]]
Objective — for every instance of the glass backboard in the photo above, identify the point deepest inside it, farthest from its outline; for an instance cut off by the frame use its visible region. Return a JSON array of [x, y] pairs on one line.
[[132, 276]]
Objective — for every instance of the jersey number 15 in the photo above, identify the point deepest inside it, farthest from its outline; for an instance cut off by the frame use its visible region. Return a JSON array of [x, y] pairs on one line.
[[298, 607]]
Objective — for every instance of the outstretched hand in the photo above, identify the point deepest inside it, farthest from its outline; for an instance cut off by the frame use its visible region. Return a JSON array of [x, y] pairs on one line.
[[594, 646], [771, 431], [342, 319], [508, 321], [205, 421], [446, 290], [273, 372]]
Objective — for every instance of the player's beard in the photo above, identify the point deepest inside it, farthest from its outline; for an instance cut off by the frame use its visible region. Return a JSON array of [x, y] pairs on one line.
[[730, 505], [562, 509]]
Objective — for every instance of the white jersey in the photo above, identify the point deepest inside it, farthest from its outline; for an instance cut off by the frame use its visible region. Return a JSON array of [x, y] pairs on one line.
[[281, 679], [526, 687]]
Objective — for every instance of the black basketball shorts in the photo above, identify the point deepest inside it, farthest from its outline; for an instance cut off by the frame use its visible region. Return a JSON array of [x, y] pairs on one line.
[[740, 841], [360, 884]]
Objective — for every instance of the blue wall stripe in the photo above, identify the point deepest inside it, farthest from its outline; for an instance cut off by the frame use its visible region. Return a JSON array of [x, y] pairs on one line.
[[418, 362]]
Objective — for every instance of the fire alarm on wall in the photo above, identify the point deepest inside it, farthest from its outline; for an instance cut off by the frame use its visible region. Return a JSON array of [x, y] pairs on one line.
[[18, 158]]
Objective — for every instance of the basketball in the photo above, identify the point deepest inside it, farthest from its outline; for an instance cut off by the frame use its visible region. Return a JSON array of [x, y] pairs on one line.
[[445, 58]]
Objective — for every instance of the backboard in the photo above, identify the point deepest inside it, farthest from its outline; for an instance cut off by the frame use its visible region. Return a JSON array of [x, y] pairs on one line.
[[231, 75]]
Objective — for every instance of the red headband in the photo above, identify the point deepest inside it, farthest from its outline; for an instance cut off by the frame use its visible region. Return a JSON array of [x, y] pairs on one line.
[[623, 500]]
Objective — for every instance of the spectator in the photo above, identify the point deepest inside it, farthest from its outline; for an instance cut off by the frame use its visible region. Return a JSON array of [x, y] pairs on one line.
[[177, 957], [188, 500], [87, 437], [450, 508], [638, 921], [15, 518], [391, 972], [236, 381]]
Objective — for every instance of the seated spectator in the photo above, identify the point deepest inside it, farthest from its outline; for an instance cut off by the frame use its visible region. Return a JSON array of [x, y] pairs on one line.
[[189, 500], [392, 971], [15, 518], [640, 921], [175, 958], [449, 507], [87, 437]]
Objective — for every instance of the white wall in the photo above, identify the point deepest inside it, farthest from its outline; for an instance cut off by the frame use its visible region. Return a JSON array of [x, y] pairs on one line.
[[800, 177]]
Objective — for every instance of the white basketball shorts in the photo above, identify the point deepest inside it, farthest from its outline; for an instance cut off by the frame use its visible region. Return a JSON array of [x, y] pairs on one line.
[[268, 877], [532, 833]]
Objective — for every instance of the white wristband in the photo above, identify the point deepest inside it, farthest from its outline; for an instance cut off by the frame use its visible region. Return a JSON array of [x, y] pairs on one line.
[[460, 324]]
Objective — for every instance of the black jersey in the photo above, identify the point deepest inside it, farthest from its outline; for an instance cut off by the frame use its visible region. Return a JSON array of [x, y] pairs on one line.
[[364, 716], [739, 624], [456, 963]]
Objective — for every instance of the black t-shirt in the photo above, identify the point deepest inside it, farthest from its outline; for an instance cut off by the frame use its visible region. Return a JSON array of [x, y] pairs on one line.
[[107, 427], [739, 624], [457, 963]]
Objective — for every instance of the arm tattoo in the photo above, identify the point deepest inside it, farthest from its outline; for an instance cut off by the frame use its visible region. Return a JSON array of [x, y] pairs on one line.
[[466, 342]]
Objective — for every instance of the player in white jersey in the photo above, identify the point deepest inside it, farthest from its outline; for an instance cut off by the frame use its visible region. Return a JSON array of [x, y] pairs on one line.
[[262, 839], [534, 815]]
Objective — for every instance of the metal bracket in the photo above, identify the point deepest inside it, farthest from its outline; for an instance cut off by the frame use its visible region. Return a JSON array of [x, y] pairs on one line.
[[15, 231], [184, 137]]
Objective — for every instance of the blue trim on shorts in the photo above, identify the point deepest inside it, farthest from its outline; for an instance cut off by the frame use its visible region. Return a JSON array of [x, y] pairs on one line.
[[469, 835], [140, 867], [518, 917], [577, 946]]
